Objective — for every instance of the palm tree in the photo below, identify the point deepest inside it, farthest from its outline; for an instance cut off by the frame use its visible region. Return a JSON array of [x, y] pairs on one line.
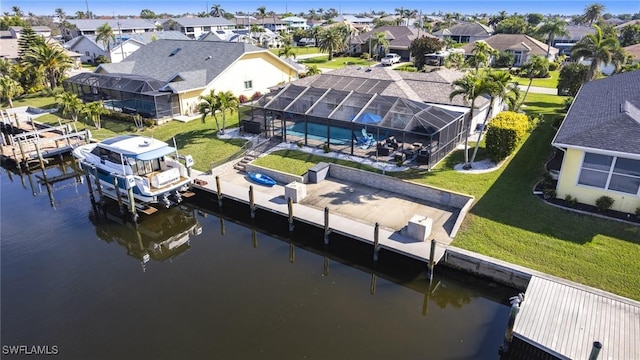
[[469, 87], [49, 59], [93, 110], [209, 104], [596, 47], [619, 58], [9, 89], [537, 66], [498, 85], [262, 12], [382, 43], [312, 70], [217, 11], [60, 14], [105, 34], [70, 104], [552, 27], [592, 13], [287, 51], [229, 102], [331, 40], [17, 11], [482, 53]]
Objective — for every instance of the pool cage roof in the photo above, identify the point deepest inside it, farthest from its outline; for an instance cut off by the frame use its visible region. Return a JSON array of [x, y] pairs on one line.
[[364, 108], [119, 82]]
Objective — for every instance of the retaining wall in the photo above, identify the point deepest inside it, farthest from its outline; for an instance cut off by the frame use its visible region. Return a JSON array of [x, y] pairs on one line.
[[276, 175]]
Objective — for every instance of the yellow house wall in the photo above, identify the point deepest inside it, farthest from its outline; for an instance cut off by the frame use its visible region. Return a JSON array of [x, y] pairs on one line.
[[568, 185], [263, 70]]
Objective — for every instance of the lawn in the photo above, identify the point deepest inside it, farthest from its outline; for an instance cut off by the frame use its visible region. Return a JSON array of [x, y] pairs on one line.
[[299, 50], [549, 82], [509, 223], [336, 62]]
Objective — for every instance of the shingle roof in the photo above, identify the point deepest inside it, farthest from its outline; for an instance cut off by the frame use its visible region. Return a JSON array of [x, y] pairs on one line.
[[575, 33], [204, 21], [503, 42], [466, 29], [605, 115], [432, 87], [634, 50], [92, 24], [147, 37], [398, 36], [155, 60]]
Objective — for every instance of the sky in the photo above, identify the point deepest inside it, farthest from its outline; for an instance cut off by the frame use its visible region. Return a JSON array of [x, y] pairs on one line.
[[177, 7]]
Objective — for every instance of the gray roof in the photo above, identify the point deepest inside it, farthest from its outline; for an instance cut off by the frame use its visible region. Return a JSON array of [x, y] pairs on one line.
[[605, 115], [466, 29], [575, 33], [92, 24], [193, 65], [399, 37], [147, 37], [504, 42], [205, 21], [432, 87]]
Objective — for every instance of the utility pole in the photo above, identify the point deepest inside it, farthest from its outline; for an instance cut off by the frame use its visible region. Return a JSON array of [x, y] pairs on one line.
[[121, 44], [88, 13]]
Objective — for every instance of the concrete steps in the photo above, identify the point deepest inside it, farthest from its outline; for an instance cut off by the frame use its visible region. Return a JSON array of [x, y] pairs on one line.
[[241, 165]]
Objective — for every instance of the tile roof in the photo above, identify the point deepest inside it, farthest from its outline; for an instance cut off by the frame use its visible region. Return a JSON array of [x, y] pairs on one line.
[[605, 115], [196, 62], [398, 36], [503, 42]]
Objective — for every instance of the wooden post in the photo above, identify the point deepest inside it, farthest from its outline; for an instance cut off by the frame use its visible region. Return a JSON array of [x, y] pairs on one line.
[[327, 231], [33, 124], [40, 159], [97, 181], [252, 205], [115, 185], [325, 268], [432, 259], [219, 187], [372, 286], [132, 205], [292, 253], [376, 242], [23, 156], [254, 237], [88, 177], [222, 229], [508, 335], [290, 208], [595, 350], [15, 115], [15, 157]]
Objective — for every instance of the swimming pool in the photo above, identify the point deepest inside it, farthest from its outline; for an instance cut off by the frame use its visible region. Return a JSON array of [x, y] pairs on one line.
[[339, 136]]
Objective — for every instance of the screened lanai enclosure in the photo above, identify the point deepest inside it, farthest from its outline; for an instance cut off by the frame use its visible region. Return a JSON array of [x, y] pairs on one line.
[[361, 124], [131, 94]]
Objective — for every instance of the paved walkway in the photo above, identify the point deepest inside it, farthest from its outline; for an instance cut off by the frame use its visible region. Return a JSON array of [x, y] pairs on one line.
[[539, 90]]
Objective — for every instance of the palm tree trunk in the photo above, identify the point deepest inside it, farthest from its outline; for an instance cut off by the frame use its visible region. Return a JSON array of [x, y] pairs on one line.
[[525, 93], [10, 101], [467, 165], [484, 123], [217, 123]]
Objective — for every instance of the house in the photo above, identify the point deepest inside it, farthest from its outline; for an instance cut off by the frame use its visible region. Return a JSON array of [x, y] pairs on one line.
[[119, 26], [89, 47], [360, 23], [600, 139], [128, 44], [196, 27], [634, 51], [465, 32], [294, 23], [338, 107], [44, 31], [273, 23], [9, 50], [165, 77], [575, 33], [399, 38], [521, 46]]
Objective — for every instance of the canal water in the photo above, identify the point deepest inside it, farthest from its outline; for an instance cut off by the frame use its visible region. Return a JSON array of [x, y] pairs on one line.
[[188, 283]]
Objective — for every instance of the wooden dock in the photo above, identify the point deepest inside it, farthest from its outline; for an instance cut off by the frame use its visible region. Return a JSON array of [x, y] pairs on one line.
[[566, 319]]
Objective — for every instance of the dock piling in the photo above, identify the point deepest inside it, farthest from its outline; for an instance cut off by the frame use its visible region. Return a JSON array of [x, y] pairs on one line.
[[115, 185], [372, 285], [252, 204], [376, 242], [290, 208], [327, 231], [254, 237], [292, 253], [219, 188], [432, 255], [88, 177], [132, 205]]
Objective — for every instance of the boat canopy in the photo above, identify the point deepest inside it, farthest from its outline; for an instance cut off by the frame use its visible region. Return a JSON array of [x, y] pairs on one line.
[[154, 154]]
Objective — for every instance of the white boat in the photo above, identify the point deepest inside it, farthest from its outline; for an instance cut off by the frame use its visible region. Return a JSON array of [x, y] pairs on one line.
[[139, 163]]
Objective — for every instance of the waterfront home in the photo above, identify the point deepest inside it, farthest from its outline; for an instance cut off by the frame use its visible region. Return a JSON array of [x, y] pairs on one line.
[[196, 27], [521, 46], [465, 32], [575, 33], [165, 77], [399, 38], [119, 26], [600, 139]]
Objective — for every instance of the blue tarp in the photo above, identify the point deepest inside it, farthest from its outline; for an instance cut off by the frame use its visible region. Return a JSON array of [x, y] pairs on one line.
[[369, 118]]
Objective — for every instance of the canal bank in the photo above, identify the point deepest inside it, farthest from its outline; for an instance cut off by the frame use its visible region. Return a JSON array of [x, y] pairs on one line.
[[597, 322]]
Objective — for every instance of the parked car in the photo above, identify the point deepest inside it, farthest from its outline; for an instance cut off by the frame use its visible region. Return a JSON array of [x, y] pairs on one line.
[[390, 59]]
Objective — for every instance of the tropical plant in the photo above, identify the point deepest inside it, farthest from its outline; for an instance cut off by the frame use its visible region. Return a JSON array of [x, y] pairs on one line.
[[312, 70], [499, 86], [505, 132], [592, 13], [331, 40], [536, 67], [9, 89], [217, 11], [70, 104], [50, 59], [422, 46], [596, 47], [287, 51], [482, 53], [454, 60], [93, 111], [630, 35], [619, 58], [262, 12], [228, 102], [382, 44], [514, 24], [571, 78], [552, 27], [209, 104], [470, 88], [105, 34]]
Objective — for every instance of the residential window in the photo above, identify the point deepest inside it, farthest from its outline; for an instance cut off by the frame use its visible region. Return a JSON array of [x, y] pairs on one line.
[[248, 85], [189, 29], [610, 173], [206, 28]]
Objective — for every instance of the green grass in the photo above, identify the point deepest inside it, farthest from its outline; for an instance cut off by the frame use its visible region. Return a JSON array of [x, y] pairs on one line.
[[299, 50], [507, 222], [336, 62], [45, 102], [549, 82], [298, 162]]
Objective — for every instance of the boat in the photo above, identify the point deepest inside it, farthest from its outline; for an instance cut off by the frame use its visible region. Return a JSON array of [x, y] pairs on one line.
[[138, 163], [261, 179]]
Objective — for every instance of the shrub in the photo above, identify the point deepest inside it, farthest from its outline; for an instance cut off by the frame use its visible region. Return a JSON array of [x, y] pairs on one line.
[[638, 212], [243, 99], [503, 60], [256, 95], [570, 200], [407, 68], [101, 59], [505, 132], [326, 148], [553, 66], [549, 194], [364, 56], [604, 203]]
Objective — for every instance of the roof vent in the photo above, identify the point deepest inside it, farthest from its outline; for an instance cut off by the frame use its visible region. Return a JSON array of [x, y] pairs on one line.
[[175, 51], [208, 57]]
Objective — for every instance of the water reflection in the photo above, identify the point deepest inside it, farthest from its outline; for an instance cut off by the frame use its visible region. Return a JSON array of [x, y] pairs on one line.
[[160, 237]]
